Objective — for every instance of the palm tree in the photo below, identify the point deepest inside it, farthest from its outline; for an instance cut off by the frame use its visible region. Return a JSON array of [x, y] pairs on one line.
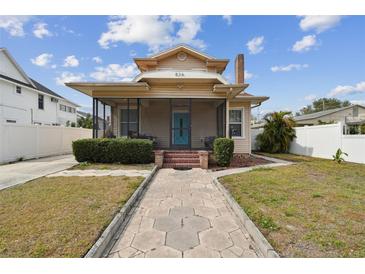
[[278, 132], [85, 122]]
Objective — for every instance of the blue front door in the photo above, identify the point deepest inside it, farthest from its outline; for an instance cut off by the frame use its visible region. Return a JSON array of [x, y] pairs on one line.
[[180, 128]]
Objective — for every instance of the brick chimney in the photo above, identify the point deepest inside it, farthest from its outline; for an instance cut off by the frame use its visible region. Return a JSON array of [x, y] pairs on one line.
[[239, 68]]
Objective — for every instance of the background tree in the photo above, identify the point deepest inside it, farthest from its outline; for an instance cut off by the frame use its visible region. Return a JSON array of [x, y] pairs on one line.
[[323, 104], [85, 122], [278, 132]]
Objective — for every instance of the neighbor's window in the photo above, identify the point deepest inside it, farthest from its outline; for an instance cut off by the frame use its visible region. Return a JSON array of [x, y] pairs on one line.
[[40, 101], [63, 107], [236, 122], [128, 121], [18, 89]]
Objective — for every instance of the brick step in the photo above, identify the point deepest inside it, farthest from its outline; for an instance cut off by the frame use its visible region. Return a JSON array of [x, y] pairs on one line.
[[180, 165], [181, 160], [181, 155]]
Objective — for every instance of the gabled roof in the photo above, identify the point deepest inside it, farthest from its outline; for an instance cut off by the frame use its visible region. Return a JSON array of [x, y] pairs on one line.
[[323, 113], [44, 89], [180, 47], [33, 84], [152, 60], [21, 71]]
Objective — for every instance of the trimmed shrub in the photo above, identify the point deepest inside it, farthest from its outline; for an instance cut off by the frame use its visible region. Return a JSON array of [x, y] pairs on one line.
[[117, 150], [223, 151]]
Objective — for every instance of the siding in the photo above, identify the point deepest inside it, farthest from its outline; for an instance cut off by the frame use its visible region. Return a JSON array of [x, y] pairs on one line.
[[243, 145], [173, 63]]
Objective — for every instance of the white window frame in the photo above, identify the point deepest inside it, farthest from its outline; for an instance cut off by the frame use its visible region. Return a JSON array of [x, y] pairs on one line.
[[243, 133]]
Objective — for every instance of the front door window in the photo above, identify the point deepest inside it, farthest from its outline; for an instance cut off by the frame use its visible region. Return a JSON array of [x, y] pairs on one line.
[[180, 129]]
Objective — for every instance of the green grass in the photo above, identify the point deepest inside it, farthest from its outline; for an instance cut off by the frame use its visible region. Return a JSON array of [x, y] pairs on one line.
[[99, 166], [60, 216], [313, 208]]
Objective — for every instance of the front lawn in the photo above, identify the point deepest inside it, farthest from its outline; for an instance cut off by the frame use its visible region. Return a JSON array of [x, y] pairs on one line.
[[313, 208], [59, 216], [101, 166]]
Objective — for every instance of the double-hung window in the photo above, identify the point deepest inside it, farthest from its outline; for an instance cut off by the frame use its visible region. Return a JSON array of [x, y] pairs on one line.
[[236, 122]]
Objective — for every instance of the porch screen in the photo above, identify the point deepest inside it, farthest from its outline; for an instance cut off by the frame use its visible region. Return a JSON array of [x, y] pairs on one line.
[[129, 119]]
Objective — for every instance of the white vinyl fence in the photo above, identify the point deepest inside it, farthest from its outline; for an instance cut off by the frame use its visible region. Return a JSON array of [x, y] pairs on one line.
[[323, 141], [34, 141]]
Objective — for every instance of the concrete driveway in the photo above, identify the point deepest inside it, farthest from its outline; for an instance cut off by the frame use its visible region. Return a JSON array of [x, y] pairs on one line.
[[21, 172]]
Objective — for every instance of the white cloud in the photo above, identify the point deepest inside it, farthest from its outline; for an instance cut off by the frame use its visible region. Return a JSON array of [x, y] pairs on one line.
[[319, 23], [115, 72], [97, 60], [358, 102], [71, 61], [67, 76], [310, 97], [289, 67], [42, 60], [305, 44], [132, 53], [14, 25], [40, 30], [155, 31], [228, 19], [255, 45], [248, 75], [346, 90]]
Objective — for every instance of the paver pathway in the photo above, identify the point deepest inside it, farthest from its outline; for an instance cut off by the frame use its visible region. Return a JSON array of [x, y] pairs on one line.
[[21, 172], [183, 214], [104, 172]]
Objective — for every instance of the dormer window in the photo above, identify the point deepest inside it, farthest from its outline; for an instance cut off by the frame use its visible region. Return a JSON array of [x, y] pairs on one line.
[[18, 90]]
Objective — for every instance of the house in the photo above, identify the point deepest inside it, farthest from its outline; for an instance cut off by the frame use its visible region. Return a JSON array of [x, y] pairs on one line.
[[25, 101], [351, 117], [180, 99]]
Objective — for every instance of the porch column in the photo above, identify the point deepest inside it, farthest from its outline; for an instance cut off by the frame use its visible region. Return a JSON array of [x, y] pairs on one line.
[[227, 118], [104, 122], [97, 118], [93, 118]]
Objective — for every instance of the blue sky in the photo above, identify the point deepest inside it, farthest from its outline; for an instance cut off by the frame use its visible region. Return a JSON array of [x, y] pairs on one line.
[[292, 59]]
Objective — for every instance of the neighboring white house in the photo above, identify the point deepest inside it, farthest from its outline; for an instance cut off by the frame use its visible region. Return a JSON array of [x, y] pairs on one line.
[[25, 101]]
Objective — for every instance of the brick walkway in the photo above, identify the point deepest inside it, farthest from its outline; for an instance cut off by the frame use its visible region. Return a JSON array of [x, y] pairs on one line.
[[183, 214]]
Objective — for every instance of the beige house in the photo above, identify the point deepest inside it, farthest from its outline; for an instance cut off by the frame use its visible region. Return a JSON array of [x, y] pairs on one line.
[[180, 100]]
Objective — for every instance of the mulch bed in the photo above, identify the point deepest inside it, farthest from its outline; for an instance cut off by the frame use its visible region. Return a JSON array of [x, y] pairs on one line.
[[239, 160]]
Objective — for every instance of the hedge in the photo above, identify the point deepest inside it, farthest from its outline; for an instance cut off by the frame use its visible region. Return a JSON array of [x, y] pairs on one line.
[[117, 150], [223, 151]]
